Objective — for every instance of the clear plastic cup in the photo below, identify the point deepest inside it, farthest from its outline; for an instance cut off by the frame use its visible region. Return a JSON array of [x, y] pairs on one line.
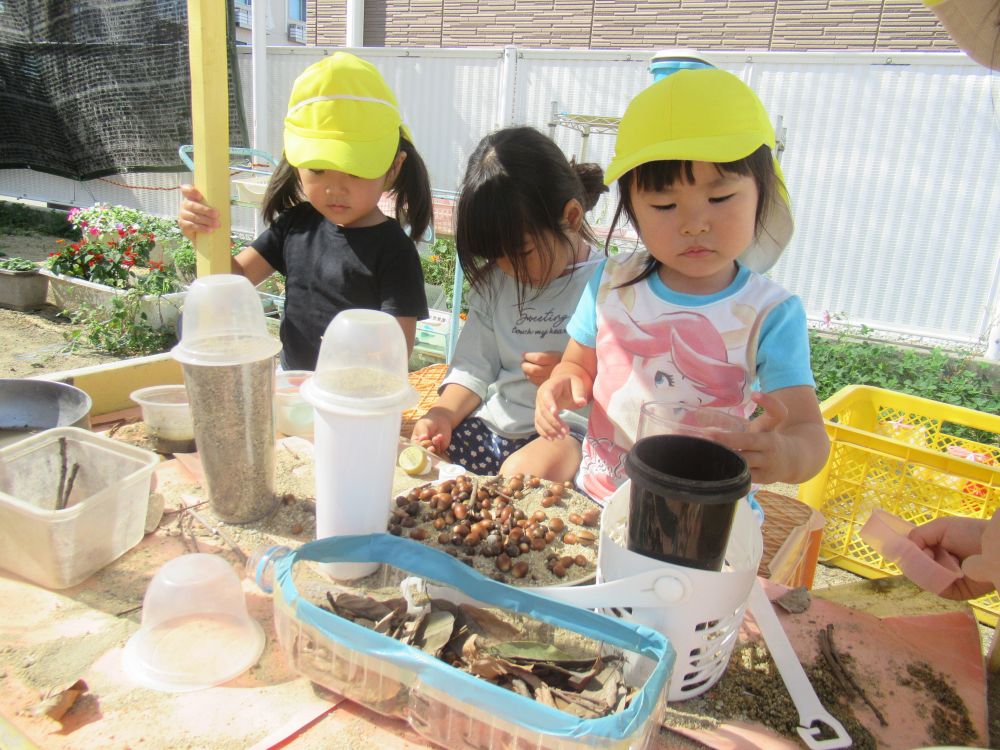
[[292, 413], [359, 392], [167, 414], [196, 631], [228, 359], [223, 323], [671, 418]]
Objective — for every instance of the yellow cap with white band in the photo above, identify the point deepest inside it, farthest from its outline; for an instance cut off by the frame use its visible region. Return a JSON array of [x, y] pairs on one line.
[[704, 115], [343, 116]]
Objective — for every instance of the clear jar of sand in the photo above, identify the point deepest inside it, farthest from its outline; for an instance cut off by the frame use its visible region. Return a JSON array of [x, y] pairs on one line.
[[228, 360]]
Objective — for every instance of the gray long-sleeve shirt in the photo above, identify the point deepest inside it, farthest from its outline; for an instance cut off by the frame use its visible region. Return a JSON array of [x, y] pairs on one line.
[[496, 334]]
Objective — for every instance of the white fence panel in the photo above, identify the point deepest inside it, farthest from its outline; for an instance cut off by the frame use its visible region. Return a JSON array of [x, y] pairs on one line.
[[891, 164]]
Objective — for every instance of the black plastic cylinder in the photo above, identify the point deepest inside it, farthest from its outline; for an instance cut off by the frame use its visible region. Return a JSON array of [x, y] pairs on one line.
[[683, 500]]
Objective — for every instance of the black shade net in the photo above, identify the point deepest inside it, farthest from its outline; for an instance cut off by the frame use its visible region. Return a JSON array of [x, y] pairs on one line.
[[90, 88]]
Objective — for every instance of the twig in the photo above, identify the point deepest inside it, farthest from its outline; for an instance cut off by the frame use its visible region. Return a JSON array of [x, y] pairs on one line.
[[189, 544], [841, 673], [222, 534], [116, 426], [62, 471], [64, 499], [128, 611]]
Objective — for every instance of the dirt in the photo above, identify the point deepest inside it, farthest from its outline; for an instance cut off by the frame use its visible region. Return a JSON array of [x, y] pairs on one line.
[[32, 343]]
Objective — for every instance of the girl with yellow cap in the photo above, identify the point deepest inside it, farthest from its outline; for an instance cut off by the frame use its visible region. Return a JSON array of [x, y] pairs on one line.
[[525, 246], [690, 318], [345, 145]]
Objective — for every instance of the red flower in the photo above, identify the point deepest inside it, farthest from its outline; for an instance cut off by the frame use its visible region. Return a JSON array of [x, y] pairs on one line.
[[156, 265]]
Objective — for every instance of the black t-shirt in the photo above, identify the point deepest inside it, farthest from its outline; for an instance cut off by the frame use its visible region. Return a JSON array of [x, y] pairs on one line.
[[329, 268]]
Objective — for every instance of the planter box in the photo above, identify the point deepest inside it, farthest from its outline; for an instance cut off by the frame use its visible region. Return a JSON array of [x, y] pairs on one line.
[[22, 290], [70, 294]]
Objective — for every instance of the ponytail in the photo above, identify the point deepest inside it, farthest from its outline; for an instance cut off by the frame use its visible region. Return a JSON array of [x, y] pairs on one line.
[[283, 191], [412, 188], [592, 178]]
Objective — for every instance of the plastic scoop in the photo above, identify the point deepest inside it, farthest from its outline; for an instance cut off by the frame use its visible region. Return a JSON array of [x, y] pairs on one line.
[[812, 714]]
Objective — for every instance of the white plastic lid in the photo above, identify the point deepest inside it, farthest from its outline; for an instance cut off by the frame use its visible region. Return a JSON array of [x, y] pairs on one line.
[[362, 365], [223, 324], [196, 631]]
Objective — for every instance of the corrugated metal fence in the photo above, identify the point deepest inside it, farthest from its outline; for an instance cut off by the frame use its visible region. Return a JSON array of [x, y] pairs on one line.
[[892, 163]]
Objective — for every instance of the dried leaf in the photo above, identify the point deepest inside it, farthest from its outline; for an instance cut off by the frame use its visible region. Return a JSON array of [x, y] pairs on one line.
[[580, 705], [412, 629], [533, 651], [437, 631], [569, 678], [470, 651], [57, 701], [366, 606], [544, 695], [519, 687], [487, 668], [385, 624], [489, 624]]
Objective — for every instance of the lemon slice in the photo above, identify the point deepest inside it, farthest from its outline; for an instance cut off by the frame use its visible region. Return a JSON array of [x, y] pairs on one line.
[[414, 461]]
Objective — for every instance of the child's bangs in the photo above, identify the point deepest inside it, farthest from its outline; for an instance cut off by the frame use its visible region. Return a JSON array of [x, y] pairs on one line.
[[655, 176]]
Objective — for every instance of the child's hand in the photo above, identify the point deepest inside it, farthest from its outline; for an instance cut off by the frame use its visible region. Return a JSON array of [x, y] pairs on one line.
[[435, 426], [194, 216], [537, 366], [554, 395], [787, 443]]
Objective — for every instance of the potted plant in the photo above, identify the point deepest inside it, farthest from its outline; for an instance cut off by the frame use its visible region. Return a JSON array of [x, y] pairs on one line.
[[112, 257], [21, 286]]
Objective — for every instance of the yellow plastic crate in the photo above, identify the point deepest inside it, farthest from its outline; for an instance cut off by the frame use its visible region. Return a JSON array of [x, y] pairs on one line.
[[899, 453]]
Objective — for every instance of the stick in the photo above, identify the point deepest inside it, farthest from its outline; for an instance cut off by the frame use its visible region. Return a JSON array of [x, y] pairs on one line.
[[220, 533], [830, 654], [64, 500], [62, 471]]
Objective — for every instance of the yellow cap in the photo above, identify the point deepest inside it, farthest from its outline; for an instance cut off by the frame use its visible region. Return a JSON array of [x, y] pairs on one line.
[[343, 116], [703, 115]]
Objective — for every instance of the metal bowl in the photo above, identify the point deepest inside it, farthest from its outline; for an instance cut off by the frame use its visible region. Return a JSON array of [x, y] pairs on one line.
[[28, 406]]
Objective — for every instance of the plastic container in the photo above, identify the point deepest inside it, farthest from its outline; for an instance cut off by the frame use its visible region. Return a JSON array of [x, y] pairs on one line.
[[359, 392], [228, 360], [901, 453], [671, 418], [702, 620], [293, 415], [103, 518], [683, 496], [29, 405], [448, 706], [167, 414], [668, 61], [195, 631]]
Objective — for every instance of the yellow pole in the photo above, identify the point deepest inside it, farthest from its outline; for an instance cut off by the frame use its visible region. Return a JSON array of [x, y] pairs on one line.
[[210, 121]]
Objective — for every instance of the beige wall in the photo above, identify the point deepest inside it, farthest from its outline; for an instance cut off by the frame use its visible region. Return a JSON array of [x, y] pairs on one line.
[[873, 25]]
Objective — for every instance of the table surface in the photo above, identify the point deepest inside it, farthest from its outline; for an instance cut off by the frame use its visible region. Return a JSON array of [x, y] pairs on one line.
[[49, 640]]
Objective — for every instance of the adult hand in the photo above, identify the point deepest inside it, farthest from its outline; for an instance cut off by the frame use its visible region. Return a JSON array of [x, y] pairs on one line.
[[194, 216], [537, 366], [950, 541]]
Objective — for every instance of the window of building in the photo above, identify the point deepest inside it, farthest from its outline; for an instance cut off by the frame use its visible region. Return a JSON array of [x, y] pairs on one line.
[[296, 10]]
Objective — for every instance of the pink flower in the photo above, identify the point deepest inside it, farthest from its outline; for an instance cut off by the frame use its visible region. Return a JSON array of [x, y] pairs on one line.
[[94, 231]]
